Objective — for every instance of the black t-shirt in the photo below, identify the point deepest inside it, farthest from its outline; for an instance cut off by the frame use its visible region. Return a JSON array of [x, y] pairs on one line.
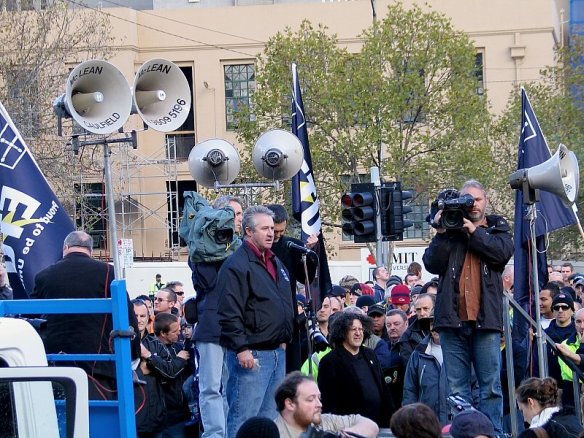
[[371, 395]]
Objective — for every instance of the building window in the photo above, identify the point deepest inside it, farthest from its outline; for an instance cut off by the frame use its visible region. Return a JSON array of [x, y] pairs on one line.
[[421, 228], [175, 203], [479, 73], [240, 85], [180, 142], [91, 212]]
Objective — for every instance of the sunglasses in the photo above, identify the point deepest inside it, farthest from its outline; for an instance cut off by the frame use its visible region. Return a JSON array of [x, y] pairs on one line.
[[180, 293], [563, 308], [160, 300]]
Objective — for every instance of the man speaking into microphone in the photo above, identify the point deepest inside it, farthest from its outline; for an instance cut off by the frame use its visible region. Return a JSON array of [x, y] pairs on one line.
[[290, 250]]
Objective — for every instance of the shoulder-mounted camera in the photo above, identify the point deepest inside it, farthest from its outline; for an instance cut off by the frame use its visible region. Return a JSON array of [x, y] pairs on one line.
[[455, 208]]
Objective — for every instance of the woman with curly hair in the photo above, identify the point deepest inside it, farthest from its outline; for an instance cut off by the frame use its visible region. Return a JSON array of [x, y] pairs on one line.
[[538, 401], [350, 377]]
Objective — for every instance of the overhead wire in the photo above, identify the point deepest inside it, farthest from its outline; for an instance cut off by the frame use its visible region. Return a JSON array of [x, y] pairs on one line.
[[79, 3]]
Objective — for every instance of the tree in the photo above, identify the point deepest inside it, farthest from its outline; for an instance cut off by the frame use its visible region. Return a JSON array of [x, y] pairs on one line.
[[406, 102], [557, 102], [39, 45]]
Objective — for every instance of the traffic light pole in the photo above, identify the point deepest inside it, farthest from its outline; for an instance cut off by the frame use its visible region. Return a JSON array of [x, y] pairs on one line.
[[379, 247]]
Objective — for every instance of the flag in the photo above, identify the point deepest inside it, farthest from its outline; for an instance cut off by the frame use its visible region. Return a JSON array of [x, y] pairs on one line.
[[305, 202], [551, 215], [33, 221]]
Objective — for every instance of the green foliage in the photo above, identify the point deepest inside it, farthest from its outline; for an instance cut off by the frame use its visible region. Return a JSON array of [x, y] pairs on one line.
[[411, 89], [38, 47], [555, 102]]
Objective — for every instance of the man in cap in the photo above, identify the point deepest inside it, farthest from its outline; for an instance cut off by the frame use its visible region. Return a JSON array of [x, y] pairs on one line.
[[377, 315], [400, 298], [472, 424], [354, 294], [365, 302]]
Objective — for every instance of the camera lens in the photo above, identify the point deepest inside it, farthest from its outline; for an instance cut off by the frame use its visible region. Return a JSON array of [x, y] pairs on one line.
[[452, 219]]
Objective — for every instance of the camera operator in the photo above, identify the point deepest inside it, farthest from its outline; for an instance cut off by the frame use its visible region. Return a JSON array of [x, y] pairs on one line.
[[299, 407], [469, 304]]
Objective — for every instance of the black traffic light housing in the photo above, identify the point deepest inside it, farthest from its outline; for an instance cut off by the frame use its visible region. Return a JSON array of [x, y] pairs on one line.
[[393, 210], [359, 212]]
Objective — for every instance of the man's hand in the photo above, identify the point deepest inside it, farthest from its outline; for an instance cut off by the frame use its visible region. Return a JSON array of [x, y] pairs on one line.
[[183, 354], [245, 359], [437, 218], [469, 226], [565, 350], [144, 352], [312, 240]]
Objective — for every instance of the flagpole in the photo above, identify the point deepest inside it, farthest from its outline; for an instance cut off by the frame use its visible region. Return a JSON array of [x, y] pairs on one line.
[[542, 362], [111, 211]]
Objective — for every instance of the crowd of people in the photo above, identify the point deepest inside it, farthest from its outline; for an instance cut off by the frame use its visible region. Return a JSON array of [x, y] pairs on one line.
[[248, 356]]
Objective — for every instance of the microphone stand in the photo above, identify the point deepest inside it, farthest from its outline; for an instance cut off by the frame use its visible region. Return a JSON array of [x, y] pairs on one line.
[[310, 311]]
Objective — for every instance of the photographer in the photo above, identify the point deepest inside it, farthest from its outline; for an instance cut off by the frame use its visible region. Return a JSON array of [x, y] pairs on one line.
[[299, 407], [469, 304]]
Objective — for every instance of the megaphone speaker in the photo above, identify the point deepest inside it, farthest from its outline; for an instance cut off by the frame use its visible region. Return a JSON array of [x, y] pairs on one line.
[[162, 96], [97, 96], [559, 175], [214, 161], [278, 155]]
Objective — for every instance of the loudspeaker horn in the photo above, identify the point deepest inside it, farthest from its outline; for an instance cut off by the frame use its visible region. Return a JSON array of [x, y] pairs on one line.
[[97, 96], [278, 155], [559, 175], [162, 96], [214, 161]]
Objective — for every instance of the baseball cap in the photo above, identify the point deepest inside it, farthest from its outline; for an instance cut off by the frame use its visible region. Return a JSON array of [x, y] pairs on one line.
[[301, 299], [337, 291], [580, 282], [365, 300], [416, 290], [468, 424], [376, 309], [356, 289], [563, 298], [400, 294]]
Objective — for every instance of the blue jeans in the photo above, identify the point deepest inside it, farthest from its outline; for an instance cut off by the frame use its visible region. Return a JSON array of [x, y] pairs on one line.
[[466, 346], [212, 383], [250, 392]]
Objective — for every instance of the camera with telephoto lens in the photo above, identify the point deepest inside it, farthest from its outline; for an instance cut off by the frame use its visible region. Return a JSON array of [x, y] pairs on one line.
[[316, 337], [455, 208]]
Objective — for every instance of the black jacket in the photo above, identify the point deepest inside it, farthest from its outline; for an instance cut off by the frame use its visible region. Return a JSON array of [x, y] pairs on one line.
[[445, 257], [563, 423], [149, 398], [342, 391], [207, 301], [410, 340], [255, 312], [77, 275]]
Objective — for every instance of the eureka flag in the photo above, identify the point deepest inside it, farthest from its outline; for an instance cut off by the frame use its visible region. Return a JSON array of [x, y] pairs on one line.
[[33, 221], [305, 202]]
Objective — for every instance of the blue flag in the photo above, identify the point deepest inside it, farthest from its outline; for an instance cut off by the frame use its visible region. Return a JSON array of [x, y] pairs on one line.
[[33, 221], [305, 202], [551, 215]]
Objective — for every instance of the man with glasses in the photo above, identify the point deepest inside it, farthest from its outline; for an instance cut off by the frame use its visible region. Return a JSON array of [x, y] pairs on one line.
[[561, 328], [178, 288], [165, 301]]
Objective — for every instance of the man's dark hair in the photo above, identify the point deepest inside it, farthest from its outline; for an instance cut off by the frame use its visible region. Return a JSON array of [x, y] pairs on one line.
[[376, 272], [143, 298], [568, 265], [172, 285], [163, 321], [426, 295], [171, 294], [280, 213], [399, 312], [339, 328], [415, 268], [416, 420], [553, 288], [138, 302], [409, 274], [289, 387]]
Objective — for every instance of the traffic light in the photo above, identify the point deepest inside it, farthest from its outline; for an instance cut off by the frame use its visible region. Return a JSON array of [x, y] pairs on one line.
[[393, 210], [359, 210]]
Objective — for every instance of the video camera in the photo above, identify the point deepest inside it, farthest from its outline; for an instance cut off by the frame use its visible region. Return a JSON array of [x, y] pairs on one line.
[[455, 208]]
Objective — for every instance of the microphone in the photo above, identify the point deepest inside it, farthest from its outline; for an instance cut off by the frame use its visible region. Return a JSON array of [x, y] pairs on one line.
[[292, 245]]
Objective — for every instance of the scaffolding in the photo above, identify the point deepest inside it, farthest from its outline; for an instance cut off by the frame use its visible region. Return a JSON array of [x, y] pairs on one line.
[[145, 197]]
